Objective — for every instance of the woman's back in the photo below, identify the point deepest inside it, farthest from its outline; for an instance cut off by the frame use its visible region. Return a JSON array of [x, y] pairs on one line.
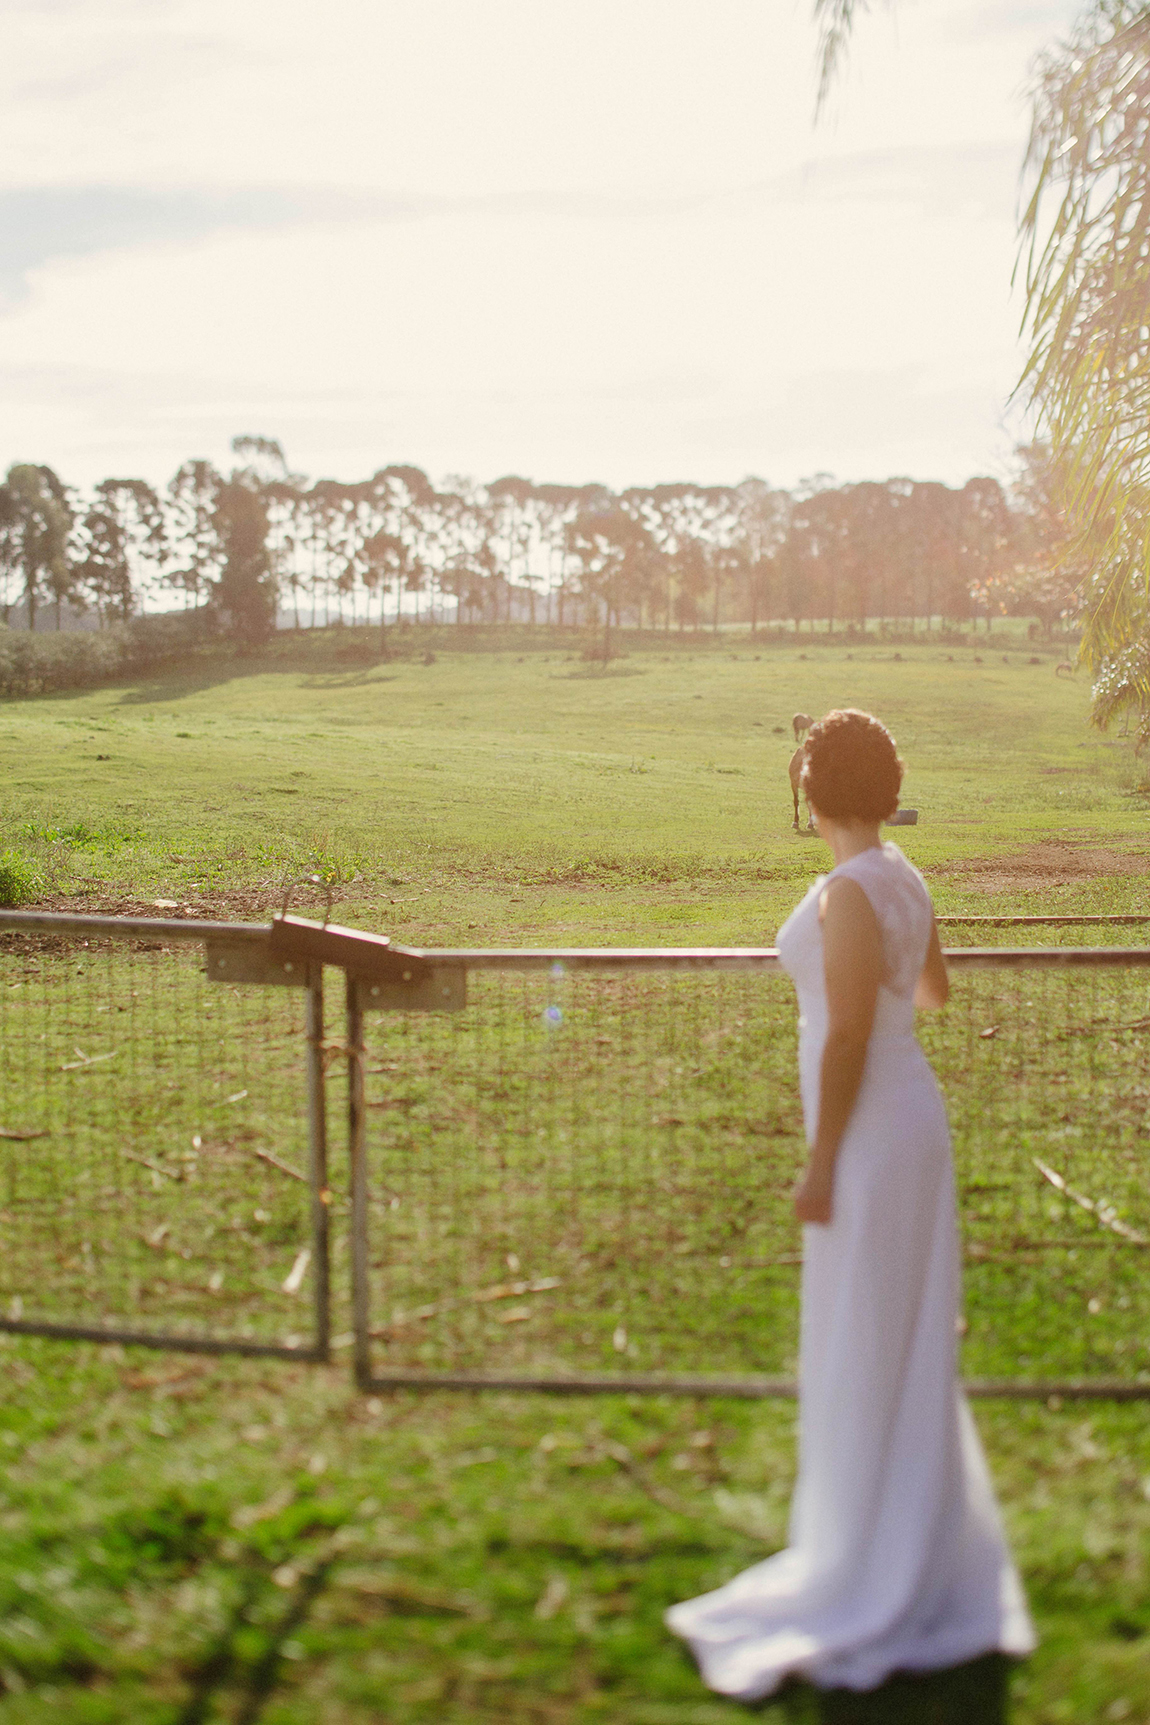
[[901, 903], [898, 896]]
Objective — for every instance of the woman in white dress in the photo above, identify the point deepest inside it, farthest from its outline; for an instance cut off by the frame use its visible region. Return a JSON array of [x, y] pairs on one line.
[[896, 1561]]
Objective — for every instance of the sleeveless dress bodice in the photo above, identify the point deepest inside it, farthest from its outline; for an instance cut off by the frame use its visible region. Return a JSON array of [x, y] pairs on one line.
[[899, 898], [896, 1559]]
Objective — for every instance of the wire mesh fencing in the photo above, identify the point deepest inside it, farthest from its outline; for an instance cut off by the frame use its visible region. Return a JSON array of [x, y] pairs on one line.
[[582, 1172], [1045, 1070], [157, 1149], [584, 1177], [567, 1169], [1053, 930]]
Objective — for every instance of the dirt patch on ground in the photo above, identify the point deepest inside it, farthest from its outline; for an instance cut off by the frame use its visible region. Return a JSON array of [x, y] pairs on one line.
[[232, 904], [236, 904], [1050, 862]]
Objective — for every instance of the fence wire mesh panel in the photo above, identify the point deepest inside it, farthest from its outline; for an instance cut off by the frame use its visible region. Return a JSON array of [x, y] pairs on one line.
[[1048, 1088], [581, 1177], [588, 1175], [153, 1146]]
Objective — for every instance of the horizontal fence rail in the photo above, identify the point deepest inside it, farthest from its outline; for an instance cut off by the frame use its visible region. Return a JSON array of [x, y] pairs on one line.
[[1056, 930], [1109, 919], [567, 1169]]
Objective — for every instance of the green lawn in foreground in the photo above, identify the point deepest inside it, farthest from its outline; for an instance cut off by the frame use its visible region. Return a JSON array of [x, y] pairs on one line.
[[188, 1540], [176, 1529]]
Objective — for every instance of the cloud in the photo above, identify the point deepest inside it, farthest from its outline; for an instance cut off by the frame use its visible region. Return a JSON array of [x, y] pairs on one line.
[[86, 8], [861, 422], [40, 224], [132, 70], [943, 422], [1013, 17], [936, 181], [43, 223]]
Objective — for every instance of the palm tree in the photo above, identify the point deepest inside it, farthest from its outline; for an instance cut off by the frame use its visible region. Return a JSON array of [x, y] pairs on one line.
[[835, 19], [1087, 271], [1085, 260]]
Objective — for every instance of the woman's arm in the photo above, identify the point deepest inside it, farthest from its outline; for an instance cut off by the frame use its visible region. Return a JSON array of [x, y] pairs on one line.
[[933, 986], [852, 966]]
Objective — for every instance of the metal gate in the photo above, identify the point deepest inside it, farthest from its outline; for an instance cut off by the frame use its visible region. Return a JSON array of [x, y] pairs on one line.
[[567, 1170], [163, 1159], [582, 1180]]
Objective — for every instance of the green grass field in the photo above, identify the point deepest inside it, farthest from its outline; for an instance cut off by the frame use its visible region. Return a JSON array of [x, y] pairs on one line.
[[188, 1540], [491, 796]]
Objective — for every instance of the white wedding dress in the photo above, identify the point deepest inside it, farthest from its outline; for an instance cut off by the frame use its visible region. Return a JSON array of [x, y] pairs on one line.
[[896, 1559]]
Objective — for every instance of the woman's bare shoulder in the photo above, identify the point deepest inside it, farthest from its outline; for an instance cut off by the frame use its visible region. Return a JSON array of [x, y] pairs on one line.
[[846, 895]]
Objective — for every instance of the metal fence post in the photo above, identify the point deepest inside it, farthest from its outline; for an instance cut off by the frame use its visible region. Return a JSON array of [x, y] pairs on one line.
[[317, 1161], [357, 1158]]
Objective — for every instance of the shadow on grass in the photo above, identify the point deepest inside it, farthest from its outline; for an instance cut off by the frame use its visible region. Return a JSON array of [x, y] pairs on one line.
[[976, 1693], [363, 679], [598, 674], [971, 1694], [265, 1672], [217, 1665], [178, 683], [222, 1665]]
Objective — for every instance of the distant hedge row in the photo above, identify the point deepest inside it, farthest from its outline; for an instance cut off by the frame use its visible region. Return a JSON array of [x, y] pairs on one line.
[[48, 663], [52, 663]]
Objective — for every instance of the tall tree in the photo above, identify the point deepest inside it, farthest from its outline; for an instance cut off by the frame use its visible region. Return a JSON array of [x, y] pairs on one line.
[[556, 507], [609, 545], [245, 594], [104, 573], [408, 508], [815, 552], [986, 533], [35, 522], [1047, 573], [262, 459], [263, 467], [763, 515], [468, 564], [133, 521], [191, 510], [511, 499]]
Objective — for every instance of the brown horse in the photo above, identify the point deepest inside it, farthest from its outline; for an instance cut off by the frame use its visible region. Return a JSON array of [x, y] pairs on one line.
[[800, 723], [795, 773]]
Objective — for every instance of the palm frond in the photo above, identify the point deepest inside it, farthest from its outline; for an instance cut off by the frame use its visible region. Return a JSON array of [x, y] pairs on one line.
[[1085, 258], [835, 19]]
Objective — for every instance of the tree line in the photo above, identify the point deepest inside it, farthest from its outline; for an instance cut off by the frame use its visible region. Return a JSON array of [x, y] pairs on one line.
[[262, 545]]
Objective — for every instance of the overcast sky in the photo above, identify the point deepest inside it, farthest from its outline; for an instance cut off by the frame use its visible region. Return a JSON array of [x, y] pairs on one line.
[[601, 240]]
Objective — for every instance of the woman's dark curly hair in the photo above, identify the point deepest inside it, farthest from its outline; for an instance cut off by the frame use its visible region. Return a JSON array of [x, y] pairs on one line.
[[852, 769]]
